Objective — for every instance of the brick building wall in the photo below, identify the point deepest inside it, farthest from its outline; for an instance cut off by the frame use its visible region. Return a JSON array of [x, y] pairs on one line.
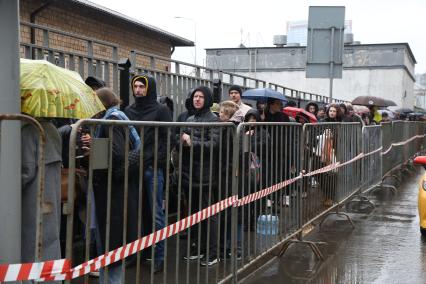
[[73, 18]]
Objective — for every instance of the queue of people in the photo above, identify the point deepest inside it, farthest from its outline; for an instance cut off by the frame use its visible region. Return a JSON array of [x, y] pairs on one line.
[[202, 182]]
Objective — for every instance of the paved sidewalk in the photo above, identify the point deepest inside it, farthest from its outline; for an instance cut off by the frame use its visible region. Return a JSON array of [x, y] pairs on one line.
[[385, 247]]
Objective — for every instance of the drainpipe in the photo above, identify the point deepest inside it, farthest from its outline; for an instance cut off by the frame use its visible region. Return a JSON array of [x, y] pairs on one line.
[[10, 138], [32, 21]]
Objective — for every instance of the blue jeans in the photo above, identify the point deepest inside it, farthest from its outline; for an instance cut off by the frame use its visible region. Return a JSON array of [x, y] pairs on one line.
[[158, 215], [115, 273]]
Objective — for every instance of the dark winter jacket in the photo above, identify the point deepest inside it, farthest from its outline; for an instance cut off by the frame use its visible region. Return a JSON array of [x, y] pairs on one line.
[[278, 148], [189, 110], [329, 119], [276, 117], [148, 109], [210, 139], [100, 189]]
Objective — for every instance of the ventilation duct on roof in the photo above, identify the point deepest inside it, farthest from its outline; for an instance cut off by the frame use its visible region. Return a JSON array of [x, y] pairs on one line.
[[349, 38], [280, 40]]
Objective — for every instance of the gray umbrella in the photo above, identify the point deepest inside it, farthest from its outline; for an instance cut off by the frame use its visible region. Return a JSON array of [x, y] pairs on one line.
[[372, 101]]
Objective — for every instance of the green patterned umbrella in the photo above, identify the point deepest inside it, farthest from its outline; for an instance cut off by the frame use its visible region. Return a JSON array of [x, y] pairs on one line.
[[51, 91]]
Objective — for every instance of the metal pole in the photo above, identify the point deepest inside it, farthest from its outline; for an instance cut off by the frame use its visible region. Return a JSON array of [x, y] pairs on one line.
[[10, 137], [331, 64], [195, 42]]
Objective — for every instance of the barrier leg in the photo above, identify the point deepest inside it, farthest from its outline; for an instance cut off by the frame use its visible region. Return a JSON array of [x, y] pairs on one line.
[[410, 167], [340, 214], [396, 177], [383, 186], [406, 170], [362, 199], [312, 245]]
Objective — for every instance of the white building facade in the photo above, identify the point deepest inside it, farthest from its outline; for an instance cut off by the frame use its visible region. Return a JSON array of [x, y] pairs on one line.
[[382, 70]]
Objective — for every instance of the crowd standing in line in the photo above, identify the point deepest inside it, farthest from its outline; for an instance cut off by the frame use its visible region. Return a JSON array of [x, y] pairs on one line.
[[203, 183]]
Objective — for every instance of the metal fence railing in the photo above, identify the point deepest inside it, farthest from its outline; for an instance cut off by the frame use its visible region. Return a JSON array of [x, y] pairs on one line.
[[208, 202], [87, 56], [139, 191], [298, 95], [175, 79], [372, 165], [227, 194]]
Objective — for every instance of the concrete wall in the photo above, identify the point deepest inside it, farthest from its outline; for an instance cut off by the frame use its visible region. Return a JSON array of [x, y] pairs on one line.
[[384, 70], [355, 82]]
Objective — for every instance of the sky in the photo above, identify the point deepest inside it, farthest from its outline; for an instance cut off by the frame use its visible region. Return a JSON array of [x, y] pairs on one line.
[[227, 23]]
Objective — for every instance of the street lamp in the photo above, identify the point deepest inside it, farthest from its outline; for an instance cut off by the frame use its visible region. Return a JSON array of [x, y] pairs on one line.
[[195, 35]]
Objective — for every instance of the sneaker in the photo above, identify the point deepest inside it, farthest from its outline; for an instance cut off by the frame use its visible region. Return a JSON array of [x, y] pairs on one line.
[[193, 254], [239, 256], [209, 262]]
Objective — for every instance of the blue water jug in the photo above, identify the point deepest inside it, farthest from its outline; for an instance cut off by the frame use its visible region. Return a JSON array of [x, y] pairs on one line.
[[267, 225]]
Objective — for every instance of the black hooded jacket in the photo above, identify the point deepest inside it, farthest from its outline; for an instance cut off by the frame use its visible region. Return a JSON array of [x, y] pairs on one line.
[[148, 109], [312, 104], [276, 117], [210, 139]]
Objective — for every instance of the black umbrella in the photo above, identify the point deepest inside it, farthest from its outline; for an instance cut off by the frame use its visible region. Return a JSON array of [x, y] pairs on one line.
[[400, 110], [372, 101], [390, 103]]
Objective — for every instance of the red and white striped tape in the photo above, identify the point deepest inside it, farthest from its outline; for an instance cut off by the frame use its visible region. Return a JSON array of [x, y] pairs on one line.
[[267, 191], [323, 169], [52, 270], [149, 240], [61, 269], [402, 143]]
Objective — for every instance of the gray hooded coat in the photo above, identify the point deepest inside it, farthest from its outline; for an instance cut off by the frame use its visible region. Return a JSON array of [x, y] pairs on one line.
[[52, 191]]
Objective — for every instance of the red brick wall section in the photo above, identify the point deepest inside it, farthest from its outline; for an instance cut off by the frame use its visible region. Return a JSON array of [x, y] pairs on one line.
[[71, 17]]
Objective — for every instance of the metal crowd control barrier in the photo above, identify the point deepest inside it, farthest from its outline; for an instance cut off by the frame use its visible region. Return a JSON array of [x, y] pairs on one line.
[[399, 134], [269, 210], [279, 177], [327, 144], [38, 216], [387, 147], [127, 185], [372, 164]]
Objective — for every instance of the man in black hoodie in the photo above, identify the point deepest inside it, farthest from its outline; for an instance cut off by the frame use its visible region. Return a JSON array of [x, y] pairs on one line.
[[146, 108], [201, 141]]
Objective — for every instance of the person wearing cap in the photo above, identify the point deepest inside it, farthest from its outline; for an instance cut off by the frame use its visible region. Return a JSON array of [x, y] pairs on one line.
[[235, 93], [147, 108]]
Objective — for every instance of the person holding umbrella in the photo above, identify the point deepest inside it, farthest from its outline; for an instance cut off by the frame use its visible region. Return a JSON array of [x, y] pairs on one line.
[[273, 111], [47, 92], [375, 116], [274, 103]]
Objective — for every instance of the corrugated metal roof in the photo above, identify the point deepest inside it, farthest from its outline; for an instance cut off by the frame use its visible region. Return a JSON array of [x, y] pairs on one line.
[[174, 39]]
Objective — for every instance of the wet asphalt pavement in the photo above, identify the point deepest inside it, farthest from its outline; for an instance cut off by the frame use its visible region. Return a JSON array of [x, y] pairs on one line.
[[385, 247]]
